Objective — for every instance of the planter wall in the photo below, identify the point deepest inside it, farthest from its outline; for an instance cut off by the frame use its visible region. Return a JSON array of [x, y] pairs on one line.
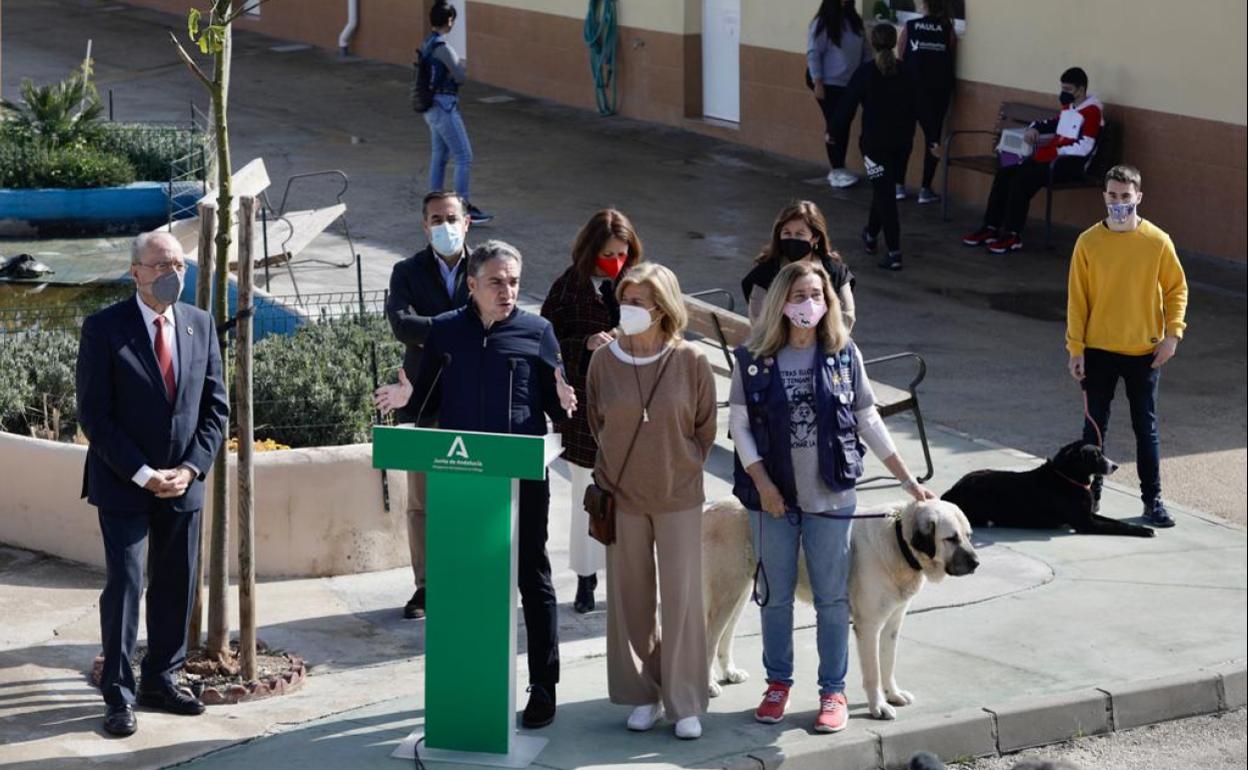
[[319, 511], [131, 208]]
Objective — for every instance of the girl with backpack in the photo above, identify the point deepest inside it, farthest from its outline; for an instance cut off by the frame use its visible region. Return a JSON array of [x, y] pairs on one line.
[[447, 134], [887, 99]]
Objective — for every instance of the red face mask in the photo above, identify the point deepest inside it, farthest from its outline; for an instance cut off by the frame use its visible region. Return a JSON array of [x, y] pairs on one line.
[[612, 265]]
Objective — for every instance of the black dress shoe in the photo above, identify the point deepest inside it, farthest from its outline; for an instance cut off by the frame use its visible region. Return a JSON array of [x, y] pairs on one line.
[[415, 607], [172, 700], [540, 710], [585, 585], [119, 720]]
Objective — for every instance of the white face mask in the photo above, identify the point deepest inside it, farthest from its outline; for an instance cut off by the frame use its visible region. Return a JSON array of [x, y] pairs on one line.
[[447, 238], [634, 320]]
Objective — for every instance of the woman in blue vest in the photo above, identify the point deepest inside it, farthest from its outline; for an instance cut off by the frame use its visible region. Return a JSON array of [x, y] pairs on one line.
[[799, 403]]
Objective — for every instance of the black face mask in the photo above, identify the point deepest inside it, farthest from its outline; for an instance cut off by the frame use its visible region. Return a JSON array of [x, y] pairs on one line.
[[794, 249], [1066, 98]]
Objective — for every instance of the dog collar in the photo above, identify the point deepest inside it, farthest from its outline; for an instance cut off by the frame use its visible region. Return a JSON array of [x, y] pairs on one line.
[[1064, 477], [905, 549]]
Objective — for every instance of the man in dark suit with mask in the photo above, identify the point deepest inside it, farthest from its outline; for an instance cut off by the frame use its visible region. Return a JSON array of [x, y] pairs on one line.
[[152, 404], [426, 284]]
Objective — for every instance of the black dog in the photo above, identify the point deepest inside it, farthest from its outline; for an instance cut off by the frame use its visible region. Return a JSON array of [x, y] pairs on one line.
[[1053, 496]]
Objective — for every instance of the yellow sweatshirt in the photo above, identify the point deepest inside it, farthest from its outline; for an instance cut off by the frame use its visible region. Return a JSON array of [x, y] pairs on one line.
[[1127, 291]]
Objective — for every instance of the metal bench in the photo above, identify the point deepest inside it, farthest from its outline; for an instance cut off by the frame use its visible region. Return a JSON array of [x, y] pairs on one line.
[[725, 330], [1019, 115]]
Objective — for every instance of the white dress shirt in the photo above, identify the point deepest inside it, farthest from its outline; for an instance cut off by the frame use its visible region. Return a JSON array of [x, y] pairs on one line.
[[169, 332]]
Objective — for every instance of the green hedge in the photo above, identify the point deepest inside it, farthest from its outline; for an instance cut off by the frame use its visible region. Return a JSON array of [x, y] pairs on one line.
[[314, 387], [311, 388], [151, 149], [35, 165], [32, 366]]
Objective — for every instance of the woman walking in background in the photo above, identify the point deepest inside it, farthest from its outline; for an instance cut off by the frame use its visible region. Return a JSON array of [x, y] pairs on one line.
[[651, 405], [927, 49], [582, 307], [834, 49], [887, 100]]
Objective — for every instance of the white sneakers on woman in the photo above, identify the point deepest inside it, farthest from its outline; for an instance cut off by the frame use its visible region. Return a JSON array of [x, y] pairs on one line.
[[644, 717], [689, 728]]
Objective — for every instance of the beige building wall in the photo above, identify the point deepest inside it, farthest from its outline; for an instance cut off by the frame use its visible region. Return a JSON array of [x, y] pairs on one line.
[[1151, 54]]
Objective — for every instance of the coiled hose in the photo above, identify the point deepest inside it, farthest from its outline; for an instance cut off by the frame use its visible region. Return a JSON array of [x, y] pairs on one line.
[[601, 35]]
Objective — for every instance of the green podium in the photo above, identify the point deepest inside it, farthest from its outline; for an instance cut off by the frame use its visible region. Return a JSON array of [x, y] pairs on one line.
[[470, 566]]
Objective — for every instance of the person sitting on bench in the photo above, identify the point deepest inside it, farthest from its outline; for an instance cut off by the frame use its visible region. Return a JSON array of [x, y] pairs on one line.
[[1067, 142]]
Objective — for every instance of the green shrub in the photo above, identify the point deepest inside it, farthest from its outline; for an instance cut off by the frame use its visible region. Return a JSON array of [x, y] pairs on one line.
[[314, 387], [36, 165], [64, 114], [37, 369], [311, 388], [151, 149]]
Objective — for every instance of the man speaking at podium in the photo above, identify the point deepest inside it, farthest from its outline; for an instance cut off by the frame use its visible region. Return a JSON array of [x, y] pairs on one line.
[[496, 368]]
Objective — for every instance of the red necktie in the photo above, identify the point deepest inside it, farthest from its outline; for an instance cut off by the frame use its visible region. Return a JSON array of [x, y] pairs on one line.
[[163, 358]]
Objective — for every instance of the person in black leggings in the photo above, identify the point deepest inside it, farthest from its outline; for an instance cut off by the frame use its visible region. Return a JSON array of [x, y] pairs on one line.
[[834, 49], [887, 100], [926, 49]]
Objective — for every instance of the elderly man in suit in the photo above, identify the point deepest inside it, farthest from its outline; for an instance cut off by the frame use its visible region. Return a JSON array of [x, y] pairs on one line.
[[152, 403]]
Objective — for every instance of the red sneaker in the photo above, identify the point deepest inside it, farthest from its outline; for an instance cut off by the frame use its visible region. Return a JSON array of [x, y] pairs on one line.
[[771, 710], [980, 236], [833, 713], [1005, 244]]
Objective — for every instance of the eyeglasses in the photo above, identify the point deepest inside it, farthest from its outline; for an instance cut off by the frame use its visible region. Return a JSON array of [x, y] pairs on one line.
[[164, 267]]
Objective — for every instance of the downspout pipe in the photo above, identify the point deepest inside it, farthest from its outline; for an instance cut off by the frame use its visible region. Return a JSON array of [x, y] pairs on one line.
[[353, 21]]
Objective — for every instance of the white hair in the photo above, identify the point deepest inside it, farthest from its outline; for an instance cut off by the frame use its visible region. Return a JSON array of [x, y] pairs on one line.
[[146, 241]]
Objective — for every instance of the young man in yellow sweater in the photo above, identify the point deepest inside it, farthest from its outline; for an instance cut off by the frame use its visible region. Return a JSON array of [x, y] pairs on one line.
[[1124, 319]]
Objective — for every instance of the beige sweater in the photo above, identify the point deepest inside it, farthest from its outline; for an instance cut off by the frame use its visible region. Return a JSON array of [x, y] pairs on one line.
[[664, 473]]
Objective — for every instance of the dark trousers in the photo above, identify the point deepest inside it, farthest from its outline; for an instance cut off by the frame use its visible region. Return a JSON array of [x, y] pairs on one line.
[[172, 544], [1102, 370], [537, 591], [836, 142], [931, 106], [1014, 186], [884, 176]]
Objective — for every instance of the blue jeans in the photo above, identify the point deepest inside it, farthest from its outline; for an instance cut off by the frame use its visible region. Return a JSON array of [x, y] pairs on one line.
[[448, 137], [1102, 370], [825, 543]]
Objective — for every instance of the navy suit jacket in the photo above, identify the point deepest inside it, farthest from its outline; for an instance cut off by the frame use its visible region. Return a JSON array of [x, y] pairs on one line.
[[125, 411]]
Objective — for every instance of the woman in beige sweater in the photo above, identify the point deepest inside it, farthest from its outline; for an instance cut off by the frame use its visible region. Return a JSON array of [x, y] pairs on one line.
[[658, 494]]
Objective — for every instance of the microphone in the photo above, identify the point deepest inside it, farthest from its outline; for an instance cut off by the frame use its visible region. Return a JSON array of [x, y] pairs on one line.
[[446, 360], [511, 388]]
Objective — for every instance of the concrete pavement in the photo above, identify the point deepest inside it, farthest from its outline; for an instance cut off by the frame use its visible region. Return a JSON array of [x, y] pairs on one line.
[[1056, 636]]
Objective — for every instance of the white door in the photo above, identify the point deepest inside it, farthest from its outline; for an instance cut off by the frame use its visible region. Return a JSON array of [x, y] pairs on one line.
[[721, 59], [459, 31]]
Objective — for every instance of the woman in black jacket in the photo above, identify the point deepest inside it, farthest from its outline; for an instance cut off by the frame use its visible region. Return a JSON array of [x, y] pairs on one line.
[[887, 99], [581, 305]]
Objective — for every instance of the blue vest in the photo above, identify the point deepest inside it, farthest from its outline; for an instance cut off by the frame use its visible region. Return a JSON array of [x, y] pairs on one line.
[[840, 452], [440, 80]]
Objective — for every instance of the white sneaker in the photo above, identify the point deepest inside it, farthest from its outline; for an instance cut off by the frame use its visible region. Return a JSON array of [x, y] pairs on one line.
[[839, 177], [644, 717], [689, 728]]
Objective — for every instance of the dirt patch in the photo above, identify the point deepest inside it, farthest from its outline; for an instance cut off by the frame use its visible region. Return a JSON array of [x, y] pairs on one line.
[[217, 682]]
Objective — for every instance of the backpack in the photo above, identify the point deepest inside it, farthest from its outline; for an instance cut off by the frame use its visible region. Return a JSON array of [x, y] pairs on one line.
[[422, 79]]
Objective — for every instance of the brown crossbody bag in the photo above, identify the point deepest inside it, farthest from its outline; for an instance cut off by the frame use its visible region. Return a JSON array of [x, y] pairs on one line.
[[598, 502]]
